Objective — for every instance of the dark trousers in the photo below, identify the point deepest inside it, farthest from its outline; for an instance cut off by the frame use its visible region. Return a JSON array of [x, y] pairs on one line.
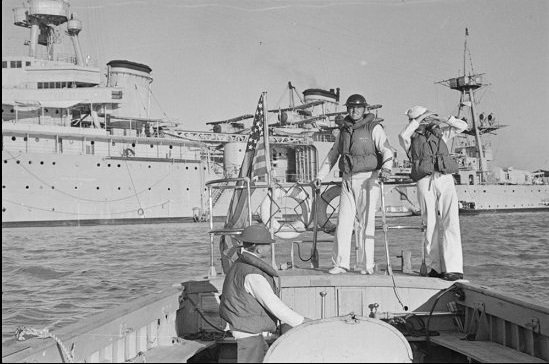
[[251, 349]]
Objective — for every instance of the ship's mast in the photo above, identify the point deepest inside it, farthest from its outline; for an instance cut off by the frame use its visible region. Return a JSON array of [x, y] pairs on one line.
[[466, 85], [41, 17]]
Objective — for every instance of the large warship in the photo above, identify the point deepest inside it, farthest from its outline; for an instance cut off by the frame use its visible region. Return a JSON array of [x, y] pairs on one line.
[[78, 149]]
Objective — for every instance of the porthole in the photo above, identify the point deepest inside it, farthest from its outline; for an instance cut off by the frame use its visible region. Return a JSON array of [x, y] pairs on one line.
[[53, 163], [99, 164], [75, 187], [42, 162], [30, 162], [119, 166], [133, 145], [27, 187], [108, 165], [18, 162], [171, 147], [13, 138], [53, 187], [152, 146], [25, 139], [113, 144], [97, 188], [92, 142]]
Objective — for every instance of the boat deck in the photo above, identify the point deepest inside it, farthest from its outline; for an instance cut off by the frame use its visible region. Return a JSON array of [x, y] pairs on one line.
[[183, 325]]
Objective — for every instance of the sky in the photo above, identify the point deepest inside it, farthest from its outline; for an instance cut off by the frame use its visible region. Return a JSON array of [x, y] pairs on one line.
[[212, 59]]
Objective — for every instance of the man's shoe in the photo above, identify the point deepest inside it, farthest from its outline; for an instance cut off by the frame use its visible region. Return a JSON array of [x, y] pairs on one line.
[[367, 271], [337, 270], [434, 274], [452, 276]]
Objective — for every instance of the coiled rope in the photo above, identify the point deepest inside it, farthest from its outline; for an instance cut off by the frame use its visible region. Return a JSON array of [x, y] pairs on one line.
[[21, 331]]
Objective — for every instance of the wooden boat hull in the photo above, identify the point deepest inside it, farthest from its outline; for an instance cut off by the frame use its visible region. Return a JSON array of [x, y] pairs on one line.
[[175, 323]]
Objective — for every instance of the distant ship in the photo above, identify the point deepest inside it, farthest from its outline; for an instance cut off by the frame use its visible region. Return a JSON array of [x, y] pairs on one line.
[[481, 186]]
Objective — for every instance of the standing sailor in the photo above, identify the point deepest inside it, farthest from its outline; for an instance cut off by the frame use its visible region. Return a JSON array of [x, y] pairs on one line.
[[364, 156], [249, 302], [425, 141]]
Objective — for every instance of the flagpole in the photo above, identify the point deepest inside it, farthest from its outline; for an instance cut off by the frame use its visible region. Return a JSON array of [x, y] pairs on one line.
[[268, 175]]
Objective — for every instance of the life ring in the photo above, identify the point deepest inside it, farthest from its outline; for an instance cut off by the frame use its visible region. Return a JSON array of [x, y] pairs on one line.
[[286, 229], [326, 198], [128, 152], [140, 212]]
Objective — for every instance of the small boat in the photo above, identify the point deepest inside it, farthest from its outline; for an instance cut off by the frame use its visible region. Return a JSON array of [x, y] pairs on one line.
[[396, 315]]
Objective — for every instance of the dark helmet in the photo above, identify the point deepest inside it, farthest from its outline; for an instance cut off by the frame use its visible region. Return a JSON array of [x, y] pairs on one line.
[[356, 100], [257, 234]]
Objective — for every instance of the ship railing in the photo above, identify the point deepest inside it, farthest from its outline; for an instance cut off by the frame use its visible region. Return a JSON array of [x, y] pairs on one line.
[[314, 210], [322, 201], [240, 183]]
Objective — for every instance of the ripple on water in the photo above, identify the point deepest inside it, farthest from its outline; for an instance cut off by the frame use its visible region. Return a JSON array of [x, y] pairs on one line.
[[57, 276]]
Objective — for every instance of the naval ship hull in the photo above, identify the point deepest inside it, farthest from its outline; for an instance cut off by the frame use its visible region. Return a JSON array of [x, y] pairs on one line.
[[474, 199], [56, 178]]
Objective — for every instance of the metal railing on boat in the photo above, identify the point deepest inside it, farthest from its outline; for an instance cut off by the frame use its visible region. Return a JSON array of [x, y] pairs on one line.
[[244, 184]]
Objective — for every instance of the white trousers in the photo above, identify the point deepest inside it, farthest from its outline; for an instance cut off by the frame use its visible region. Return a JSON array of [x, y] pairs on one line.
[[357, 203], [438, 201]]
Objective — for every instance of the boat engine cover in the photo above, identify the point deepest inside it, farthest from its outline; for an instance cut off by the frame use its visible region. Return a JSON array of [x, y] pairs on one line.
[[344, 339]]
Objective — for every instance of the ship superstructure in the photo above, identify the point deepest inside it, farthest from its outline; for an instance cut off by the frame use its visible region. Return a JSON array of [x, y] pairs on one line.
[[78, 151]]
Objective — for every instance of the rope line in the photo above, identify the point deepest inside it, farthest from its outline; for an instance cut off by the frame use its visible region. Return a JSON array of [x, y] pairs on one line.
[[21, 331]]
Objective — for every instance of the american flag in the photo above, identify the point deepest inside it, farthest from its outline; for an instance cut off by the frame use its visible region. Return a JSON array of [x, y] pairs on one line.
[[253, 166], [254, 162]]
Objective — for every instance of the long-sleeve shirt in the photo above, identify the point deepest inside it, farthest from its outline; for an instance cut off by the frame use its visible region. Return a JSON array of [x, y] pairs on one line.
[[380, 141], [450, 128], [257, 286]]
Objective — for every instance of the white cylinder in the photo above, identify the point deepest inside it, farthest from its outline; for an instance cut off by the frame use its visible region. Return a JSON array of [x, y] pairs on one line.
[[233, 154]]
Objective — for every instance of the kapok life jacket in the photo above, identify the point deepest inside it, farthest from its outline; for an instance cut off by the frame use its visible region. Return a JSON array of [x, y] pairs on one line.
[[356, 146], [429, 153], [238, 307]]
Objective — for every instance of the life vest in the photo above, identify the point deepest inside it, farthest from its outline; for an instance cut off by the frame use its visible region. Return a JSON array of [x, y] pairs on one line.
[[239, 308], [356, 146], [429, 153]]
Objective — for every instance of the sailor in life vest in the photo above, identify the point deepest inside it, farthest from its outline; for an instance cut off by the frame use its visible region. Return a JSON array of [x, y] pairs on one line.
[[364, 155], [425, 141], [250, 302]]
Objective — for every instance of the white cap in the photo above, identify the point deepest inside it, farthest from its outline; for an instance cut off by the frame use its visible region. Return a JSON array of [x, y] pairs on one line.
[[420, 112]]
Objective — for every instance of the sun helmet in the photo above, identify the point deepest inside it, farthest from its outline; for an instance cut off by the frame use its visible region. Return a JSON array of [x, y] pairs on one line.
[[257, 234], [356, 100]]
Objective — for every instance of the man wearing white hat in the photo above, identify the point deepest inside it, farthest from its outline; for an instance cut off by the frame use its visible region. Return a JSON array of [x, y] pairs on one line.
[[424, 140]]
